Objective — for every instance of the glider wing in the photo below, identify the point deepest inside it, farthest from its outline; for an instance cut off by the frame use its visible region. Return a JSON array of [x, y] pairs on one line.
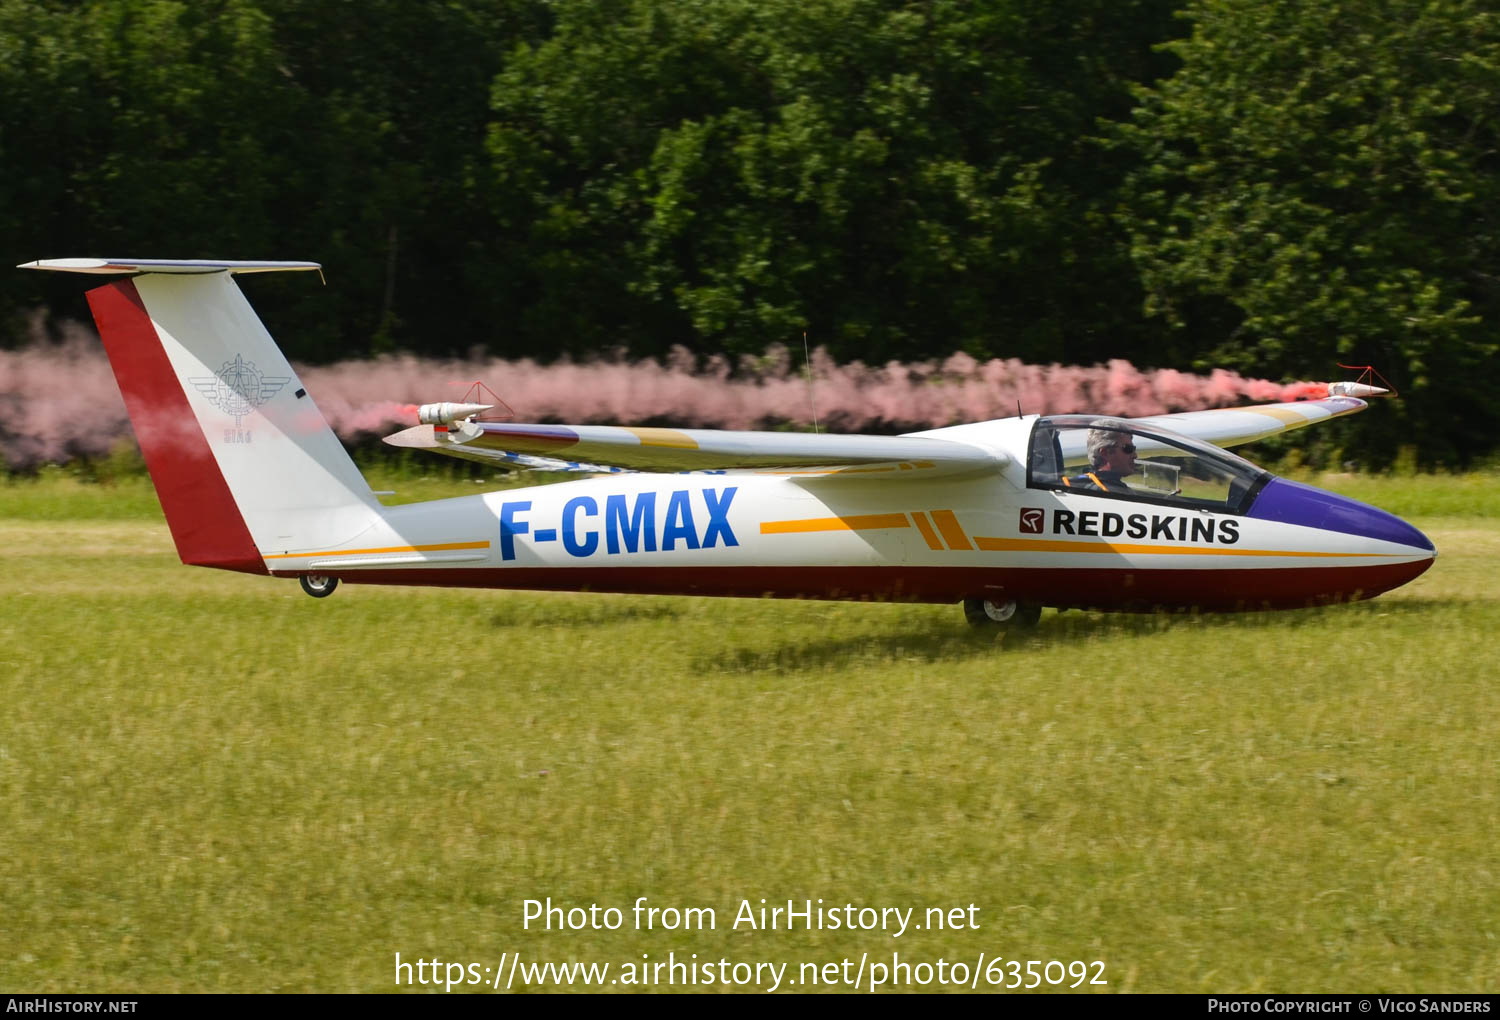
[[659, 449], [1235, 426]]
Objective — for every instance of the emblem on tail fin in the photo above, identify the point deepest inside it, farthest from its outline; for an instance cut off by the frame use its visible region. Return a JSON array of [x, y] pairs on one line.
[[238, 388]]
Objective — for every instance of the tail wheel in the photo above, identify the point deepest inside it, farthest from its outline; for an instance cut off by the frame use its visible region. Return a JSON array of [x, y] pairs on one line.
[[318, 586], [1007, 614]]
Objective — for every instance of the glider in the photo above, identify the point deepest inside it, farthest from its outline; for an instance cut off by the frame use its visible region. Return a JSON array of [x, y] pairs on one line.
[[1005, 516]]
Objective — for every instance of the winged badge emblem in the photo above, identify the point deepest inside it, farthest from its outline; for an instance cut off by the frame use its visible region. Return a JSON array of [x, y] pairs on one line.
[[238, 387]]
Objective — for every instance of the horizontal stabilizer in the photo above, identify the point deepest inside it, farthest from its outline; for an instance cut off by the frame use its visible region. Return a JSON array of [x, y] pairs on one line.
[[115, 267]]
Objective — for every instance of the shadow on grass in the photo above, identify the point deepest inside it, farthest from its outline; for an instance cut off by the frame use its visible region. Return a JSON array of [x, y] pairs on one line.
[[593, 612], [1080, 624], [956, 643], [928, 644], [1410, 606]]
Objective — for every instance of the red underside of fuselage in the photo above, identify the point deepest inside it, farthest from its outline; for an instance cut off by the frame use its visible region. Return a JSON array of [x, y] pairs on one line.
[[1072, 587]]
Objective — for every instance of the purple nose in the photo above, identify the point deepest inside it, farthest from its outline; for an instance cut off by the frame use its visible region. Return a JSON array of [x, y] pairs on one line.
[[1294, 503]]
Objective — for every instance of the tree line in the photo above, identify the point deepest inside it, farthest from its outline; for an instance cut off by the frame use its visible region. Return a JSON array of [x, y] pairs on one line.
[[1271, 186]]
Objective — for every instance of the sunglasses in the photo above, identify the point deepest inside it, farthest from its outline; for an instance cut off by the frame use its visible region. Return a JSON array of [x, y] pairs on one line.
[[1126, 448]]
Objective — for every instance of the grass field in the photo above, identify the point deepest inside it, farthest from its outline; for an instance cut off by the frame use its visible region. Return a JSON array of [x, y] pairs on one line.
[[211, 782]]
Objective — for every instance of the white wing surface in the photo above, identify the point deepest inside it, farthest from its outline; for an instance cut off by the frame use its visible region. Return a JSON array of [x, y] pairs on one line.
[[1235, 426], [953, 451], [659, 449]]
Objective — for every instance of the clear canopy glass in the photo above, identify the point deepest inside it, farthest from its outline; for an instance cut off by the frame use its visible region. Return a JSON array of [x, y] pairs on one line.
[[1115, 458]]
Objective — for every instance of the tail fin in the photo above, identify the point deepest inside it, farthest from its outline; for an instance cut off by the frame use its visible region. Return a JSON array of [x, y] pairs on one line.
[[244, 463]]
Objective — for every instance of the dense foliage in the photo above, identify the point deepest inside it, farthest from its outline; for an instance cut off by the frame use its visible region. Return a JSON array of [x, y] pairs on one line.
[[1273, 185], [1318, 184]]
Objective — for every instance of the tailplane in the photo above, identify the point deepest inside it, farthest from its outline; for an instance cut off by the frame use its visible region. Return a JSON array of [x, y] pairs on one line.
[[243, 462]]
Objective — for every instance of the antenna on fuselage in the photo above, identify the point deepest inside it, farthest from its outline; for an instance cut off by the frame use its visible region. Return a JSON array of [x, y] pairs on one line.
[[811, 395]]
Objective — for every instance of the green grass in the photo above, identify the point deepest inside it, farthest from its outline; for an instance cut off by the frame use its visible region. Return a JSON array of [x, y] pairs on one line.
[[209, 781], [1470, 495], [84, 492]]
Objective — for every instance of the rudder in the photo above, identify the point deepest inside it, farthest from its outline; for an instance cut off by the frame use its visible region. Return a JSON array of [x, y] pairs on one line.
[[206, 525], [244, 463]]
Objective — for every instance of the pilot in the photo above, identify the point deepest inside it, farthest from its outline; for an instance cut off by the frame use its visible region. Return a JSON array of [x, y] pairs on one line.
[[1112, 457]]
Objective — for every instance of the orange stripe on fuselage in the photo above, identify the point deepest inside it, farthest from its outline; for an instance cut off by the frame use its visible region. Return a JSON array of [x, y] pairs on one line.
[[925, 527], [441, 547], [953, 532], [855, 522]]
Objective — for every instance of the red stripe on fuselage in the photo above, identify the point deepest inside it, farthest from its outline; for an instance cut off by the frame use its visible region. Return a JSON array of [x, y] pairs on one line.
[[1074, 587], [205, 523]]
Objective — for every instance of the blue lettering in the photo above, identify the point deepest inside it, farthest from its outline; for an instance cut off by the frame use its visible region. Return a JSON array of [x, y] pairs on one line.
[[569, 534], [718, 517], [510, 527], [679, 522], [636, 530]]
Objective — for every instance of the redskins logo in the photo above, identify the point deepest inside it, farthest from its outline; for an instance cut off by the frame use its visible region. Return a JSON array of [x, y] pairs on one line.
[[1032, 520]]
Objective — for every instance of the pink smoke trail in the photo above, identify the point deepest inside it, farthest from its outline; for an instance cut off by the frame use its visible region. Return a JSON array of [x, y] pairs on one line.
[[59, 400]]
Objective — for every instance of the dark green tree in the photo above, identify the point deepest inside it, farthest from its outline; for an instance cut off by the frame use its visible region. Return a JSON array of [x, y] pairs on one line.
[[392, 190], [135, 127], [1319, 185], [347, 133], [899, 179]]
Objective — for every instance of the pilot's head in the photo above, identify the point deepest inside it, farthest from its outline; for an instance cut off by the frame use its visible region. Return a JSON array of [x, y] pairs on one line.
[[1111, 450]]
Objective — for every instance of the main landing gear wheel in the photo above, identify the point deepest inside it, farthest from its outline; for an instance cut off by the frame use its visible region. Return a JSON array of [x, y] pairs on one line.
[[1008, 614], [317, 585]]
